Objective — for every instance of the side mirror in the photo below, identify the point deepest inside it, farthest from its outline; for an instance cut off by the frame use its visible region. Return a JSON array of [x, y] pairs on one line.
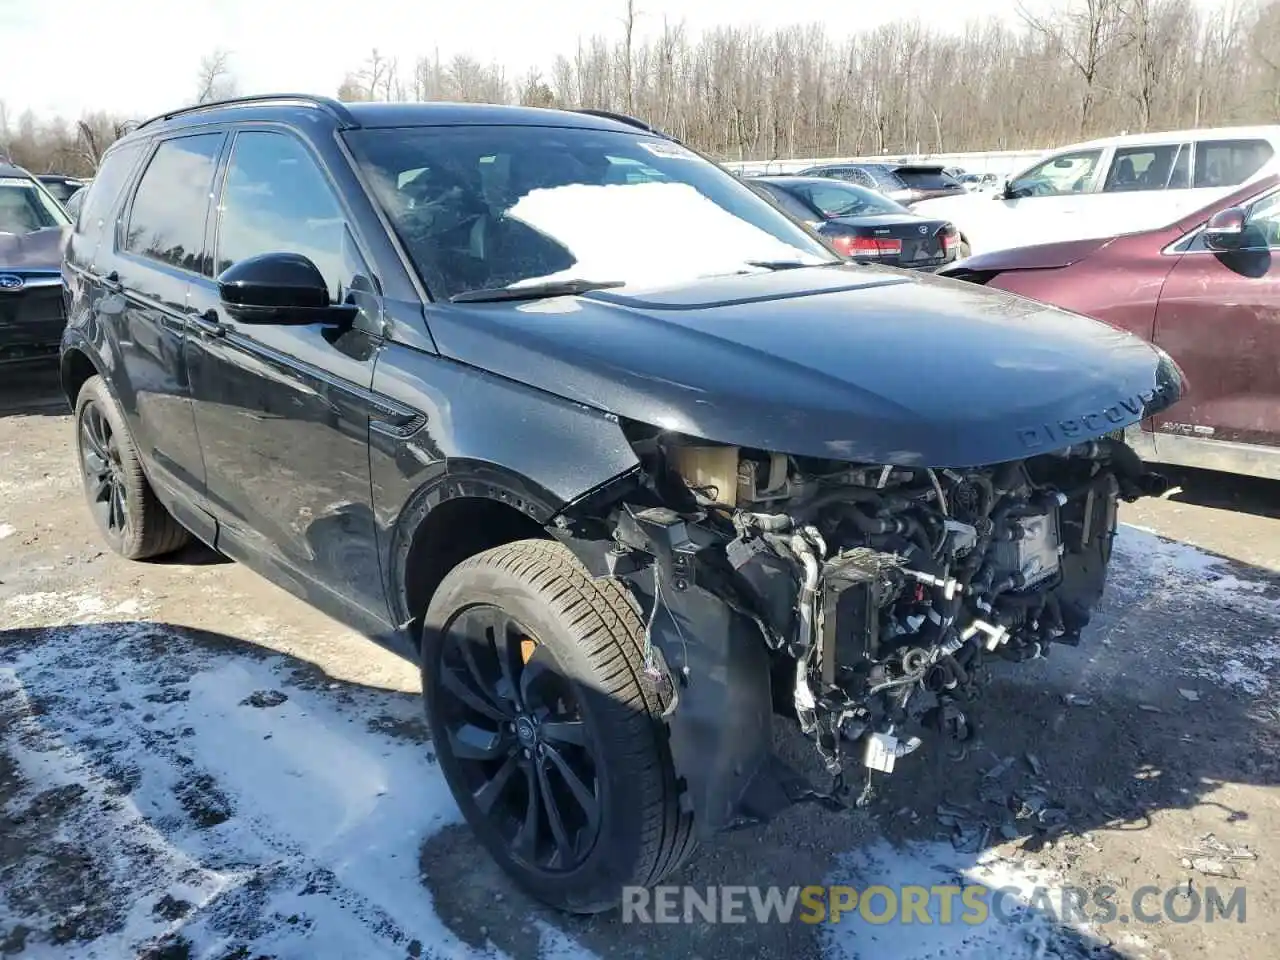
[[1225, 229], [279, 288]]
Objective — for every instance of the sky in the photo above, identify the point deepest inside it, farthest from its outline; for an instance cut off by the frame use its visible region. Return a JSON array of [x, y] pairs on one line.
[[71, 56]]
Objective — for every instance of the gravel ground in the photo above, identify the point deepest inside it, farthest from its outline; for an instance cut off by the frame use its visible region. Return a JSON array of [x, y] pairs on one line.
[[195, 764]]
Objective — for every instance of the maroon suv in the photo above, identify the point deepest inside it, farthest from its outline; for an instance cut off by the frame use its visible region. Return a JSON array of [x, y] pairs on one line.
[[1205, 289]]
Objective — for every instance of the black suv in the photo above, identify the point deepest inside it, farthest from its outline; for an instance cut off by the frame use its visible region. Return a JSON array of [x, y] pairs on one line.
[[627, 459]]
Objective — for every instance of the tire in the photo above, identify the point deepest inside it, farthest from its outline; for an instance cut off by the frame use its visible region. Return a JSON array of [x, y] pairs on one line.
[[132, 520], [579, 640]]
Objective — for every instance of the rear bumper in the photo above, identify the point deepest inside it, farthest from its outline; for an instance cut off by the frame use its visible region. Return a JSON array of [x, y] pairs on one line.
[[31, 323]]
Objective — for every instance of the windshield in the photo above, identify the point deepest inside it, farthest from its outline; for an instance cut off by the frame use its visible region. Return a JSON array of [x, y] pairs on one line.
[[24, 207], [487, 207], [837, 199]]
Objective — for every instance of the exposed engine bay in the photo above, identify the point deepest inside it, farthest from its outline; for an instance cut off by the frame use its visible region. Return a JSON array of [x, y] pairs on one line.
[[878, 593]]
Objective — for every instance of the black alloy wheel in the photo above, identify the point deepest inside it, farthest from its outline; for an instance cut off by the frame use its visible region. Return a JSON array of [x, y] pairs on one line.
[[130, 516], [548, 728], [517, 732], [104, 472]]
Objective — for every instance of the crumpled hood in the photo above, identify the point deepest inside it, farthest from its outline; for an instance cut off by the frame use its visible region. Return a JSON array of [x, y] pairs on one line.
[[854, 363], [38, 250]]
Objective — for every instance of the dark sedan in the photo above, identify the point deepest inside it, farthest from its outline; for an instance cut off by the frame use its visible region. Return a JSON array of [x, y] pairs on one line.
[[862, 224], [1205, 289], [31, 231]]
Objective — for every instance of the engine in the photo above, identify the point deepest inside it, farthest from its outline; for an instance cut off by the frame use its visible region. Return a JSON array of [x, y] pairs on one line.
[[883, 591]]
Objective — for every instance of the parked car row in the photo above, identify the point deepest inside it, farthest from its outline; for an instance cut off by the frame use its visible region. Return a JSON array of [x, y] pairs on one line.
[[907, 183]]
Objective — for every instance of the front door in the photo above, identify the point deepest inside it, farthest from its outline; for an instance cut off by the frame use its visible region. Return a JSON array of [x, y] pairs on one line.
[[1219, 318], [283, 410]]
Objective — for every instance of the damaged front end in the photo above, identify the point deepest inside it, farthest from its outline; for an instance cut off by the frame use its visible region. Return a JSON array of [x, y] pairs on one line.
[[862, 599]]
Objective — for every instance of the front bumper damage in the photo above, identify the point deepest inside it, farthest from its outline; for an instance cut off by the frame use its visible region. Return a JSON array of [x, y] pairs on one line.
[[732, 645]]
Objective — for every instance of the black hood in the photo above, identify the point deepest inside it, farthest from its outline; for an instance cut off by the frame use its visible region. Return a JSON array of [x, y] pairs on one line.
[[39, 251], [852, 363]]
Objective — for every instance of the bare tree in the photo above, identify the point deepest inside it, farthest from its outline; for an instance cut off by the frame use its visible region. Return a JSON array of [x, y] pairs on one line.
[[1085, 32], [214, 79]]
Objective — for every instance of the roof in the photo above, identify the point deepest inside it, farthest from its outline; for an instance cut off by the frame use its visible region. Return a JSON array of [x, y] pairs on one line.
[[1271, 133], [9, 170], [380, 115]]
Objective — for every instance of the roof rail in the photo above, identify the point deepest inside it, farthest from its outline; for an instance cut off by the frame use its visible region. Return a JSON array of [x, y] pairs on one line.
[[624, 118], [333, 107]]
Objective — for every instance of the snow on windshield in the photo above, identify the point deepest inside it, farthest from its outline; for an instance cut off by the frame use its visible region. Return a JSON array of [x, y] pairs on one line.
[[647, 234]]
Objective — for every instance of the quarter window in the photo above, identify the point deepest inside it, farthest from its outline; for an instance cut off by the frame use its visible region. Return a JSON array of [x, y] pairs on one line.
[[1152, 167], [1228, 163], [166, 222], [276, 200], [100, 196]]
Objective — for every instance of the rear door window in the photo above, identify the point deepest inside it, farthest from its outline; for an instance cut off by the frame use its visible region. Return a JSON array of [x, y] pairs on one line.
[[1146, 168], [1227, 163], [167, 218]]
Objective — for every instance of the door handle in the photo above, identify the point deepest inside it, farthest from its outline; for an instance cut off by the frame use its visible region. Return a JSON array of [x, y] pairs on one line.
[[207, 322], [111, 282]]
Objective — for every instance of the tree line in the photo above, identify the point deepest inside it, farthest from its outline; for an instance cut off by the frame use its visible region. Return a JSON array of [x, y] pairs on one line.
[[1058, 72]]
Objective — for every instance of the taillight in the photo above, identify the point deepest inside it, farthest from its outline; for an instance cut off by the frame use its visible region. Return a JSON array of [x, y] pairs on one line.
[[950, 238], [867, 246]]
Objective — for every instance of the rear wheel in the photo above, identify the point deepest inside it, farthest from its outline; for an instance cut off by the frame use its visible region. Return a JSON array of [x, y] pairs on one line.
[[547, 729], [132, 520]]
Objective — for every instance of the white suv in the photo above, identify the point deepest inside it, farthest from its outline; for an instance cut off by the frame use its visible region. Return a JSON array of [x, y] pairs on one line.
[[1112, 186]]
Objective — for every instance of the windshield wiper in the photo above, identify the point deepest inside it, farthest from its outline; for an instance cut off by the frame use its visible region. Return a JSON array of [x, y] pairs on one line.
[[790, 264], [534, 291]]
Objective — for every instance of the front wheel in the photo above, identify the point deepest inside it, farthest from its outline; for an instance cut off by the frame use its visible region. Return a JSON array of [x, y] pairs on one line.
[[547, 729]]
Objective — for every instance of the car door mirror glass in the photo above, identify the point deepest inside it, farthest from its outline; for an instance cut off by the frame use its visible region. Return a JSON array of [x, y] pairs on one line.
[[1225, 229], [278, 288]]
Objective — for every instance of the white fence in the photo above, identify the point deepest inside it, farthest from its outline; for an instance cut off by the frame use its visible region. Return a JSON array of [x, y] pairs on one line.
[[1001, 162]]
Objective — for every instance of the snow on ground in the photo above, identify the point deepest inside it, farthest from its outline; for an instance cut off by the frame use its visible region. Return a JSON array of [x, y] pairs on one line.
[[228, 800], [1173, 573], [191, 794]]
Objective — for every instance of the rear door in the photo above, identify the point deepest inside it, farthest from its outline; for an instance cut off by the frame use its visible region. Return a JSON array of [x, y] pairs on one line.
[[1144, 187], [1219, 318], [283, 411]]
